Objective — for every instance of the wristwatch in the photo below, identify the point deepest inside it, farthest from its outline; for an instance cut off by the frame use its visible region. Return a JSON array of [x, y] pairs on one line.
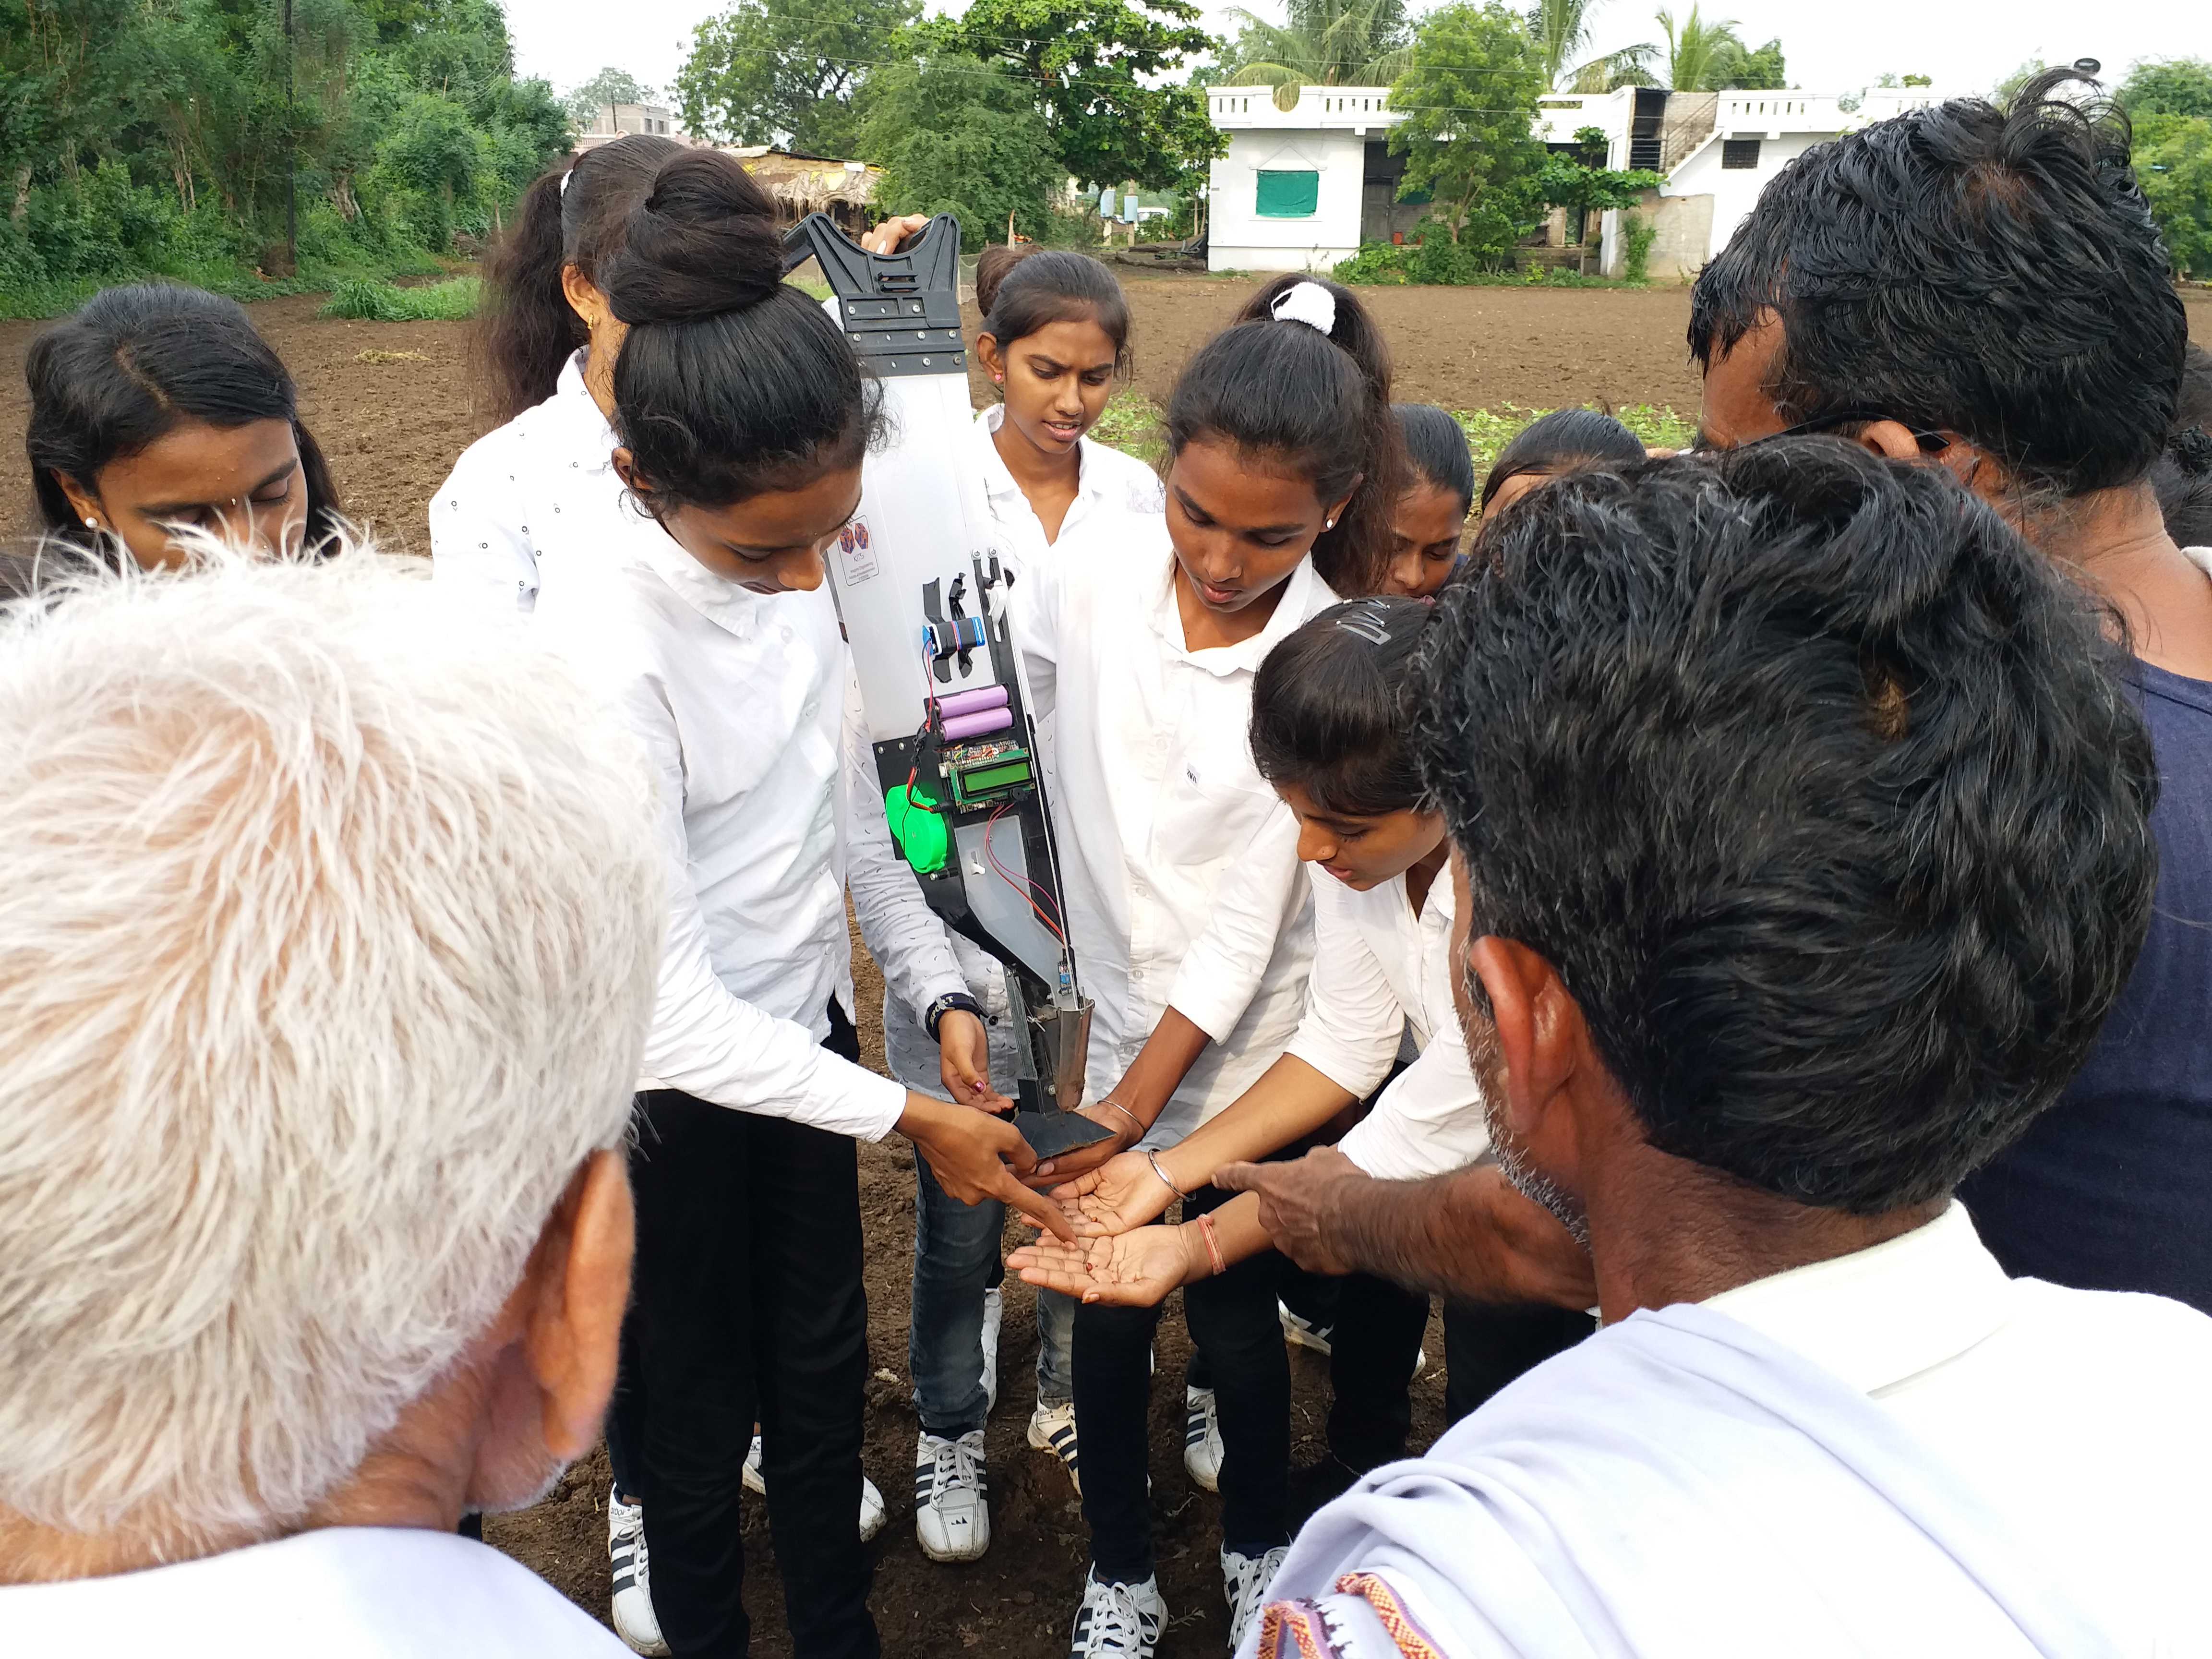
[[945, 1005]]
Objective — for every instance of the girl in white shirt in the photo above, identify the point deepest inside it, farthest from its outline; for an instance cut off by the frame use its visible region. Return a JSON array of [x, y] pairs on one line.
[[741, 418], [1054, 341], [1429, 520], [1185, 905]]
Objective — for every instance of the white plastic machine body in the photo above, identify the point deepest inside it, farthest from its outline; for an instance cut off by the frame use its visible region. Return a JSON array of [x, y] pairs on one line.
[[923, 598]]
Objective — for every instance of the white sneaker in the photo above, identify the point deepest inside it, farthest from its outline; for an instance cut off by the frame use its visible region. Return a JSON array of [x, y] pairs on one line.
[[1244, 1581], [1301, 1333], [951, 1507], [1201, 1438], [1118, 1622], [1052, 1428], [994, 1314], [872, 1512], [633, 1577]]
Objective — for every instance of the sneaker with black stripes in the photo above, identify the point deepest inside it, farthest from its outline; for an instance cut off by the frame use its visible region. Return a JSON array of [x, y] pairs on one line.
[[632, 1572], [952, 1498], [1118, 1622], [1052, 1428], [1201, 1438], [1244, 1581]]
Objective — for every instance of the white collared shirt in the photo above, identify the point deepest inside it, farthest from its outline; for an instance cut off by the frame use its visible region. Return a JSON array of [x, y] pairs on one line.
[[1381, 971], [535, 496], [748, 708], [1110, 490], [337, 1593], [1116, 497], [2081, 1414], [1179, 862]]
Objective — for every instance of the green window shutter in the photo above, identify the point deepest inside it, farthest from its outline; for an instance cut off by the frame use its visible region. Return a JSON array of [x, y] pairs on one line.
[[1288, 195]]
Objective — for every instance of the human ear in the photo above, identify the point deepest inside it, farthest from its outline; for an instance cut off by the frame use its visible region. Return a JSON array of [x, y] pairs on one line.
[[994, 360], [1539, 1031], [574, 1335], [84, 503], [586, 298], [1329, 518]]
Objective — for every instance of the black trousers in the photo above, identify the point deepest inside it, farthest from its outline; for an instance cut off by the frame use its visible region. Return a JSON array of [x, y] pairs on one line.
[[1370, 1369], [747, 1304], [1234, 1325], [1487, 1345]]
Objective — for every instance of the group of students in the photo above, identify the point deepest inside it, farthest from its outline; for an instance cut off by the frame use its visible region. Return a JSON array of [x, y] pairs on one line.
[[1224, 656], [684, 434]]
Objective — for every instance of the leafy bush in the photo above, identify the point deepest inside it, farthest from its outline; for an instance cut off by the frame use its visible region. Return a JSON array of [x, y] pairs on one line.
[[1638, 235], [367, 300]]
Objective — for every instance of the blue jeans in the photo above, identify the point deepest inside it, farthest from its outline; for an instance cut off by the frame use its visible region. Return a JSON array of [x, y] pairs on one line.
[[956, 1258]]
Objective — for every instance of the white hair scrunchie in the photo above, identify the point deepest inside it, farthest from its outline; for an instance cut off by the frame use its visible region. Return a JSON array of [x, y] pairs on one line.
[[564, 180], [1306, 303]]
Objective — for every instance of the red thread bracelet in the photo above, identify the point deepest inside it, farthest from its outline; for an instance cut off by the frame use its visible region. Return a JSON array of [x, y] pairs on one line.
[[1212, 1244]]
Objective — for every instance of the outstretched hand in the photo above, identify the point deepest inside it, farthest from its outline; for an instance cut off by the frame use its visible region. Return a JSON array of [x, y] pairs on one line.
[[1298, 1200], [1121, 1193], [1131, 1270], [886, 237], [975, 1156]]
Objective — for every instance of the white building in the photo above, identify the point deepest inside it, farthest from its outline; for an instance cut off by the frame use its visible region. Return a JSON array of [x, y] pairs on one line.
[[1301, 187], [611, 121]]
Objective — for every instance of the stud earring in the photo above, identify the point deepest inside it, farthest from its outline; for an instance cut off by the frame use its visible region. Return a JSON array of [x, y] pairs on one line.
[[92, 524]]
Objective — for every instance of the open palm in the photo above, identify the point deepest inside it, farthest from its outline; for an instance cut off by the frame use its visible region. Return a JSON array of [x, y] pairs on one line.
[[1121, 1193], [1132, 1269]]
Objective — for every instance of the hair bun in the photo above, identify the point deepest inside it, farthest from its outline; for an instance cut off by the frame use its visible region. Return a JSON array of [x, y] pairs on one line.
[[2190, 449], [704, 240]]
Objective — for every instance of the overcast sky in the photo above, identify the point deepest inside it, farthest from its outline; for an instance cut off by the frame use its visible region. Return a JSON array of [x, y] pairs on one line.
[[1829, 47]]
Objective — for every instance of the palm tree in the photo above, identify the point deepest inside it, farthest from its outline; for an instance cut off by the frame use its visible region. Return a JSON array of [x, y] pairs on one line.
[[1699, 53], [1327, 43], [1561, 30]]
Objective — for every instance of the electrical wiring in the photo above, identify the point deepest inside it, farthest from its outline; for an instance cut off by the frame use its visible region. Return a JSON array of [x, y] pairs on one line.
[[1029, 890]]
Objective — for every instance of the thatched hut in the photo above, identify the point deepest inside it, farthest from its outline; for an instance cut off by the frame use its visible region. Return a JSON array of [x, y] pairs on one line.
[[801, 185]]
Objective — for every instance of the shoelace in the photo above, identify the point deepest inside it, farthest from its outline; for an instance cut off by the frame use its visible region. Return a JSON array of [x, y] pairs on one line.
[[1253, 1579], [956, 1461], [1116, 1625]]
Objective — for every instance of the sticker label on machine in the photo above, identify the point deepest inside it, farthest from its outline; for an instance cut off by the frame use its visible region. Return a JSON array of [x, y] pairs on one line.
[[855, 556]]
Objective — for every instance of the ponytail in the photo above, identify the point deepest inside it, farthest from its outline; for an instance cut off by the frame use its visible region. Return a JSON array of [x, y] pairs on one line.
[[730, 383], [1315, 401], [574, 214]]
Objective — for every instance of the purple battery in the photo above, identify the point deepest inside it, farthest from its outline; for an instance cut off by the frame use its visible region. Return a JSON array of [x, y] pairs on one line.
[[973, 725], [970, 702]]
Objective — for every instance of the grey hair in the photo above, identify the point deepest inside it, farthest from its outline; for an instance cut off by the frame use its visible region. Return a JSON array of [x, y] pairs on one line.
[[328, 931]]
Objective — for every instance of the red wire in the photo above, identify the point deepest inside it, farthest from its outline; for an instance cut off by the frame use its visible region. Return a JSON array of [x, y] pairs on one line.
[[1029, 890]]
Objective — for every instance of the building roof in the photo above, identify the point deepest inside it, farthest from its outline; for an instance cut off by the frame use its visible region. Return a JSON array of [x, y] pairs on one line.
[[809, 184]]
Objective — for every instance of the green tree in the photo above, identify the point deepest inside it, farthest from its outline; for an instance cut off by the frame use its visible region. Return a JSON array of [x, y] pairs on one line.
[[1327, 43], [1470, 104], [610, 86], [1582, 189], [1736, 67], [1561, 32], [787, 71], [2173, 164], [1102, 73], [955, 134], [2168, 86], [1702, 55]]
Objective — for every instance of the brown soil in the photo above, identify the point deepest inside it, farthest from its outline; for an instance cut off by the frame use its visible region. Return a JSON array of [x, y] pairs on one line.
[[391, 425]]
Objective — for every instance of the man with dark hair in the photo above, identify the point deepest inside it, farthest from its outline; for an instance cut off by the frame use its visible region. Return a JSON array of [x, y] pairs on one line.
[[1801, 835], [1983, 289]]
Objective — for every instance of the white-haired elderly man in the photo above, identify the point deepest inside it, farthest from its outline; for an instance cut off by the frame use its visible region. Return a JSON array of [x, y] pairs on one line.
[[327, 941]]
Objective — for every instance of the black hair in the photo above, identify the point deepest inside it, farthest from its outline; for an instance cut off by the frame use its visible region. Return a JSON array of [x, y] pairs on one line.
[[1435, 450], [729, 383], [2192, 406], [1558, 441], [1316, 404], [1990, 272], [1021, 290], [1827, 797], [2182, 481], [1333, 707], [135, 363], [574, 214]]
